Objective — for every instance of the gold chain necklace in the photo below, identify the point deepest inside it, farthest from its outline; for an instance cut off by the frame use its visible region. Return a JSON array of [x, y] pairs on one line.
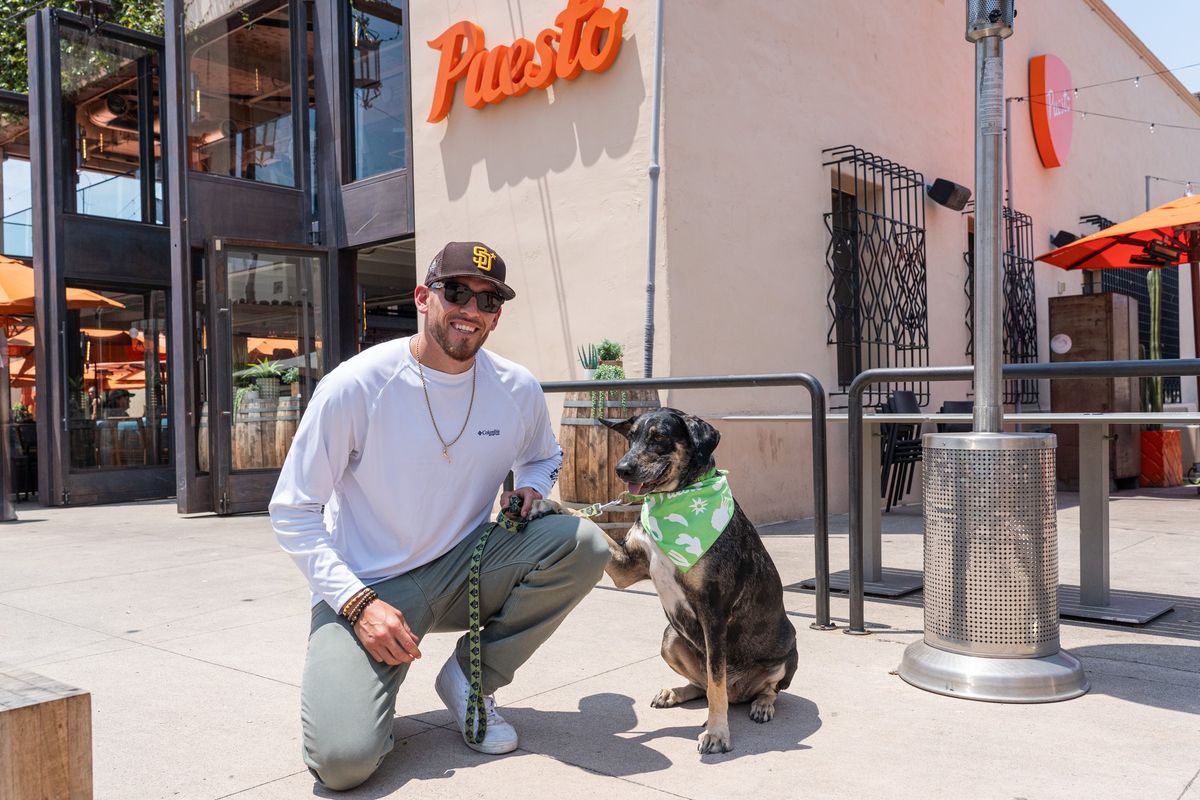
[[428, 405]]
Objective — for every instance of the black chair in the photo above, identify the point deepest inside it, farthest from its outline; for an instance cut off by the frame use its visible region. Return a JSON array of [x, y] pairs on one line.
[[955, 407], [901, 449]]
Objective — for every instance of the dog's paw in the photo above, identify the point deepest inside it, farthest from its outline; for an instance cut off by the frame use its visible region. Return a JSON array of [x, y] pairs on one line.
[[673, 697], [715, 741], [761, 710], [544, 508]]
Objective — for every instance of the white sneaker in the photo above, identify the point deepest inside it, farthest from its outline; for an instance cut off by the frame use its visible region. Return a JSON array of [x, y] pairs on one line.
[[454, 689]]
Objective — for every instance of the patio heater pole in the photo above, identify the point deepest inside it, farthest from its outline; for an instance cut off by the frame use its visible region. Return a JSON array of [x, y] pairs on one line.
[[989, 126], [988, 501]]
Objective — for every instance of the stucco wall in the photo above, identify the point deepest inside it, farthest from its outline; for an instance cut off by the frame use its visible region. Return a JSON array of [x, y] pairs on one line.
[[554, 180], [753, 93], [753, 97]]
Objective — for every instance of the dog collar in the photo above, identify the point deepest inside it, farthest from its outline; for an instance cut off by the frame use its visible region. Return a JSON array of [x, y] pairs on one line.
[[685, 523]]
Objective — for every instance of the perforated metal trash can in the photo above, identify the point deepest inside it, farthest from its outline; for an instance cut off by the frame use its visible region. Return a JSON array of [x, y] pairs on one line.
[[991, 572]]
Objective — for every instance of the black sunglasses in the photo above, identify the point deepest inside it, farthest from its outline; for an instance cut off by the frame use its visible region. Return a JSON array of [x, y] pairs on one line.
[[460, 295]]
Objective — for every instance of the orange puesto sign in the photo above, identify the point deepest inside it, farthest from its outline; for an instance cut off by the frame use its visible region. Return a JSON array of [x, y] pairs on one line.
[[588, 37], [1051, 108]]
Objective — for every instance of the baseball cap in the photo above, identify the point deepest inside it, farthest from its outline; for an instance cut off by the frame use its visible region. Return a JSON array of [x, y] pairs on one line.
[[116, 394], [470, 260]]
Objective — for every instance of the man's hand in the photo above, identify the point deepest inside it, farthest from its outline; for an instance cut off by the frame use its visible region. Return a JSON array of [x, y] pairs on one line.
[[386, 636], [528, 498]]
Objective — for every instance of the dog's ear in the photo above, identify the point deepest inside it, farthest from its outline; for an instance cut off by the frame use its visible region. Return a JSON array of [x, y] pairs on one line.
[[705, 438], [622, 427]]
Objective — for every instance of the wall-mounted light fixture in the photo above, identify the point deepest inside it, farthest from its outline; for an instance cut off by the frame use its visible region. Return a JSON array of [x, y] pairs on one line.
[[948, 193], [1062, 238]]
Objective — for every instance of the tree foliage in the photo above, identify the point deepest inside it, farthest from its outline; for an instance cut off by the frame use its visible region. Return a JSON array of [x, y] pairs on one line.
[[143, 15]]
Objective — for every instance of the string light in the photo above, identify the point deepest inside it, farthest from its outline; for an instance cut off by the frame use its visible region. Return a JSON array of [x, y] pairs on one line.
[[1135, 78], [1084, 114]]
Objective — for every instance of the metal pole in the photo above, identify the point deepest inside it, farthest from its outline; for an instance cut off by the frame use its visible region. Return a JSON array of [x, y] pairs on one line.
[[1008, 172], [1196, 318], [7, 512], [820, 506], [655, 169], [989, 327]]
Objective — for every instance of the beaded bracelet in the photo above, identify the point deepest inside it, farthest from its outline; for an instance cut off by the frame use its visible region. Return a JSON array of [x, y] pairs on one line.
[[355, 605], [354, 600], [358, 612]]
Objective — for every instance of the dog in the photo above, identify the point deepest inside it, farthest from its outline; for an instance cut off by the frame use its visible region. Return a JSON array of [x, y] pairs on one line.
[[729, 635]]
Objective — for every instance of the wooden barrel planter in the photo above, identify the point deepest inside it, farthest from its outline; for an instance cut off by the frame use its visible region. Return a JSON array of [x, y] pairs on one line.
[[202, 440], [591, 451], [254, 434], [286, 420]]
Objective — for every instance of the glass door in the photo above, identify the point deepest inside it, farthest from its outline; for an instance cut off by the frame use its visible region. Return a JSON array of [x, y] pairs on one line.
[[118, 426], [266, 359]]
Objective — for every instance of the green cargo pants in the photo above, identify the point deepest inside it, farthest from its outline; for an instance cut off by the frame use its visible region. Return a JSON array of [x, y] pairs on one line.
[[529, 582]]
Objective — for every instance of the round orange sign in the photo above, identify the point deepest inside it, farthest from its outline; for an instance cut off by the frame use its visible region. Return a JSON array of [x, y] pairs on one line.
[[1051, 108]]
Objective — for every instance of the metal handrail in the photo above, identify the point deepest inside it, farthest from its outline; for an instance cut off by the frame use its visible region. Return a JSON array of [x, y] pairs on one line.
[[820, 465], [1069, 369]]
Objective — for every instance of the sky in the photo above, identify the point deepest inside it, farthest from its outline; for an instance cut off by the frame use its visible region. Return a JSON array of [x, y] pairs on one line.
[[1169, 28]]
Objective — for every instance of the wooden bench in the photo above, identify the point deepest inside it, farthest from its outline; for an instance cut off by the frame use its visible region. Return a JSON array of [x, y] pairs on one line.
[[45, 737]]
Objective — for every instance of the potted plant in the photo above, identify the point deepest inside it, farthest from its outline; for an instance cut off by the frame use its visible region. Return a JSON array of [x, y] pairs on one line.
[[291, 376], [266, 374], [588, 359], [607, 372], [610, 352], [20, 413], [1162, 450]]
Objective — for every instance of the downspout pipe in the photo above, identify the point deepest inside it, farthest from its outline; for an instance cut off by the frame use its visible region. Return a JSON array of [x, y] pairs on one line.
[[654, 171], [1008, 169]]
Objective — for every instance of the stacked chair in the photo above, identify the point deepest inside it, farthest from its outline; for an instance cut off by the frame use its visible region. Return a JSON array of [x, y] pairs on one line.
[[901, 448]]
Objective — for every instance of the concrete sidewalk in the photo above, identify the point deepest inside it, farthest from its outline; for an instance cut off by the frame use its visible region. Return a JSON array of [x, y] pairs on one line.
[[190, 635]]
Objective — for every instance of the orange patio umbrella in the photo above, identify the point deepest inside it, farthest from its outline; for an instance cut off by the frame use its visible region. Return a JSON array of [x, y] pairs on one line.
[[16, 291], [22, 371], [1162, 237]]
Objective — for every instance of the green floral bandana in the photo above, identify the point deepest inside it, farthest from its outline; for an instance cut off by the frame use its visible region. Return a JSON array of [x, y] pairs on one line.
[[685, 523]]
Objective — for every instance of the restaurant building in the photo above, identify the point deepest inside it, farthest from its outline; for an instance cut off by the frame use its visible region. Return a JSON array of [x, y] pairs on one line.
[[270, 180]]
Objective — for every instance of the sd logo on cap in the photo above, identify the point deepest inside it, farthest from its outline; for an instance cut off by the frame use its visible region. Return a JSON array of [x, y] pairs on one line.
[[470, 259]]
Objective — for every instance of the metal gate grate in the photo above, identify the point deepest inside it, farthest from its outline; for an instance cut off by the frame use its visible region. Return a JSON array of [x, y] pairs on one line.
[[876, 258], [1020, 302]]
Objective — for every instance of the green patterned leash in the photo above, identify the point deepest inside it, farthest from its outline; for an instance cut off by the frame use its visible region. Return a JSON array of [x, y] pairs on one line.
[[512, 524], [475, 706]]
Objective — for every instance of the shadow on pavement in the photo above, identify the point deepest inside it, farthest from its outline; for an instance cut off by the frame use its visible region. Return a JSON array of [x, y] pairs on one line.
[[1119, 670], [603, 736]]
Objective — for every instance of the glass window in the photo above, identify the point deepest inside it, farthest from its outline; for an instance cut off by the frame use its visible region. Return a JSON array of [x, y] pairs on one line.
[[240, 96], [100, 84], [16, 191], [274, 311], [379, 77], [117, 379]]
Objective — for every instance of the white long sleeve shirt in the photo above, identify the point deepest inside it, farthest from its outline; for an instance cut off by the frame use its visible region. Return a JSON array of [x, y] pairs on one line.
[[365, 493]]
